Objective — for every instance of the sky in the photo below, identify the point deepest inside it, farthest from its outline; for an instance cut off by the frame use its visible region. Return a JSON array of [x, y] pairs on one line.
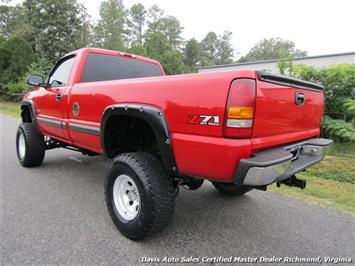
[[316, 26]]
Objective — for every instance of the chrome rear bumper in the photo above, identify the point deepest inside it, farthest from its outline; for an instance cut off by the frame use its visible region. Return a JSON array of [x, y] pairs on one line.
[[278, 164]]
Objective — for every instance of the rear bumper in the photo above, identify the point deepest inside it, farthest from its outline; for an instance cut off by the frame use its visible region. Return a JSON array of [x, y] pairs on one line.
[[278, 164]]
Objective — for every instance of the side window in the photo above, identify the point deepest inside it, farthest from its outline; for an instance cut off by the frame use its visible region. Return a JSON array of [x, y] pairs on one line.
[[61, 72]]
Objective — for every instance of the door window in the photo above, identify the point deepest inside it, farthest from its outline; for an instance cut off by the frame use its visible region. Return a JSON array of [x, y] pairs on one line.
[[60, 73]]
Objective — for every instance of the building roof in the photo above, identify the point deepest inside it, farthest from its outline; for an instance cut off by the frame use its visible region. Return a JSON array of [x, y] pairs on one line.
[[275, 60]]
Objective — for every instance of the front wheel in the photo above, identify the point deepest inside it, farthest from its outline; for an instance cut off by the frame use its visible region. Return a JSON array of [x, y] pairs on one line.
[[231, 189], [30, 145], [139, 196]]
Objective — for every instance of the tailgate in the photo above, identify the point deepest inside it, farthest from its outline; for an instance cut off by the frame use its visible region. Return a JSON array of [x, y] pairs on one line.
[[286, 108]]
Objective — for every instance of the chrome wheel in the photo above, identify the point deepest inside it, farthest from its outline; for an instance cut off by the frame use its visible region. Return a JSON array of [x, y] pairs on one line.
[[126, 197], [21, 146]]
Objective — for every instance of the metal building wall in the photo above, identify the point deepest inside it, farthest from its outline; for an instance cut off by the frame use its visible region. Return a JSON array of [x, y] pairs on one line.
[[271, 65]]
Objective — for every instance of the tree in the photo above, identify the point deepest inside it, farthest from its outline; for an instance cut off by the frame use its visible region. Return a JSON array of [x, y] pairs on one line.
[[138, 49], [110, 30], [154, 14], [285, 63], [171, 28], [163, 41], [192, 54], [155, 44], [136, 23], [224, 49], [216, 50], [5, 18], [268, 49], [56, 26], [209, 49], [158, 48], [172, 62], [15, 55], [86, 29], [13, 22]]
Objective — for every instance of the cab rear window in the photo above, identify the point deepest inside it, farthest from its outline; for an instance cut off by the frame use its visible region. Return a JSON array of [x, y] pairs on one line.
[[100, 67]]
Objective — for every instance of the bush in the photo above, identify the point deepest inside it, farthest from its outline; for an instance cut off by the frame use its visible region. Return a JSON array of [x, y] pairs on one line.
[[338, 130], [14, 90], [339, 92], [338, 82]]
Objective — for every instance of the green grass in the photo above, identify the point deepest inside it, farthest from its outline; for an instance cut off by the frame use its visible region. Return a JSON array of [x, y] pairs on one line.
[[338, 168], [10, 108], [338, 165], [331, 182], [342, 149], [330, 193]]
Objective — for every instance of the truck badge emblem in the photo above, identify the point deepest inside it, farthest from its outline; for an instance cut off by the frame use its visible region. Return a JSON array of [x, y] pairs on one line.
[[76, 109], [211, 120]]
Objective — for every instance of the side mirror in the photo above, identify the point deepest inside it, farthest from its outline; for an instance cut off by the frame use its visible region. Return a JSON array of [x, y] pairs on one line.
[[35, 80]]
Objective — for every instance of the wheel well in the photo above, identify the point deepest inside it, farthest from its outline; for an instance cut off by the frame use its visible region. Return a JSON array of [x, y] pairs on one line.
[[26, 114], [124, 133]]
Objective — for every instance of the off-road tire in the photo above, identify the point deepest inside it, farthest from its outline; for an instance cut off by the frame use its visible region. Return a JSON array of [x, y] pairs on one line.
[[156, 192], [231, 189], [34, 145]]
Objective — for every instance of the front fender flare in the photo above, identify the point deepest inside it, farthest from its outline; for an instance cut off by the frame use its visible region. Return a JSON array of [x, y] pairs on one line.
[[31, 106], [155, 118]]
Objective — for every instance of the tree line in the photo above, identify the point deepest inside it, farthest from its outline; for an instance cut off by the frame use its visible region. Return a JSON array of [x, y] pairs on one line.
[[35, 33], [51, 28]]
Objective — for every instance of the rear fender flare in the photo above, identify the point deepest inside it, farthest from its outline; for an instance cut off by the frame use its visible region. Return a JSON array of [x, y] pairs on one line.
[[155, 118]]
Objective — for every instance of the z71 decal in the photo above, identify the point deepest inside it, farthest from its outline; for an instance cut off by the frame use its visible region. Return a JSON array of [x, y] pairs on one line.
[[211, 120]]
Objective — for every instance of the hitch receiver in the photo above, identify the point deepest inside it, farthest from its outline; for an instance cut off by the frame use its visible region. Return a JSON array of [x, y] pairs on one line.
[[293, 181]]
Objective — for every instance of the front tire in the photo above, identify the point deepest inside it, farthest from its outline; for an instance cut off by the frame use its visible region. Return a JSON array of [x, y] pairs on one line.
[[30, 145], [139, 195], [231, 189]]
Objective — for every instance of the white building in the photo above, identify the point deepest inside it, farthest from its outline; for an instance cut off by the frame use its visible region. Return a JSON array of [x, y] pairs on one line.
[[271, 65]]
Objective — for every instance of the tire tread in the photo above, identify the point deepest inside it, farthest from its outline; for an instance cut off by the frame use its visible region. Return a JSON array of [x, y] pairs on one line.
[[35, 147], [160, 192]]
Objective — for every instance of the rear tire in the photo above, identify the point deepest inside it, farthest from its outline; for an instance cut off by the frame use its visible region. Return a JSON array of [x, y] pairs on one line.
[[139, 195], [30, 145], [231, 189]]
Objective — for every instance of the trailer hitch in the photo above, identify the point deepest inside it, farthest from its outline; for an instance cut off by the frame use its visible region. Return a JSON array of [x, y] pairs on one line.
[[293, 181]]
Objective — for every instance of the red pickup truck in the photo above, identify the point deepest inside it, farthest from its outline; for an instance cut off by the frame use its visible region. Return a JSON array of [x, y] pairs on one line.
[[241, 130]]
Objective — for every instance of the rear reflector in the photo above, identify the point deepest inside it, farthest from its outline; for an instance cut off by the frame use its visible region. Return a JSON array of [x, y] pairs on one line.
[[240, 109], [240, 123]]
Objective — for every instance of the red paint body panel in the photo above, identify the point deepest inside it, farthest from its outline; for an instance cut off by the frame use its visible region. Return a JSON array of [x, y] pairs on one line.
[[213, 158], [279, 120], [199, 150]]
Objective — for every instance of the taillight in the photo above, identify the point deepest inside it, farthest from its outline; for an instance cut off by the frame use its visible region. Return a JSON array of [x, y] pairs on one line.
[[240, 109]]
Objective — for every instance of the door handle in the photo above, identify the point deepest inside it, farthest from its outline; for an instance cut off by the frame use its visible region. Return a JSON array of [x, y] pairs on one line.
[[58, 97]]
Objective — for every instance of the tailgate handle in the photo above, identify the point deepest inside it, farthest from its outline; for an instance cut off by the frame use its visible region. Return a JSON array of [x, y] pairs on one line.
[[299, 98]]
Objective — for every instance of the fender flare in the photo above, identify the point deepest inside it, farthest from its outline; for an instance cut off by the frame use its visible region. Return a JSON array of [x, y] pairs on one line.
[[31, 106], [155, 118]]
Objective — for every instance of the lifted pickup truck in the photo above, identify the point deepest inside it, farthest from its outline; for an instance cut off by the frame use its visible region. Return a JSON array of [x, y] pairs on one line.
[[241, 130]]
